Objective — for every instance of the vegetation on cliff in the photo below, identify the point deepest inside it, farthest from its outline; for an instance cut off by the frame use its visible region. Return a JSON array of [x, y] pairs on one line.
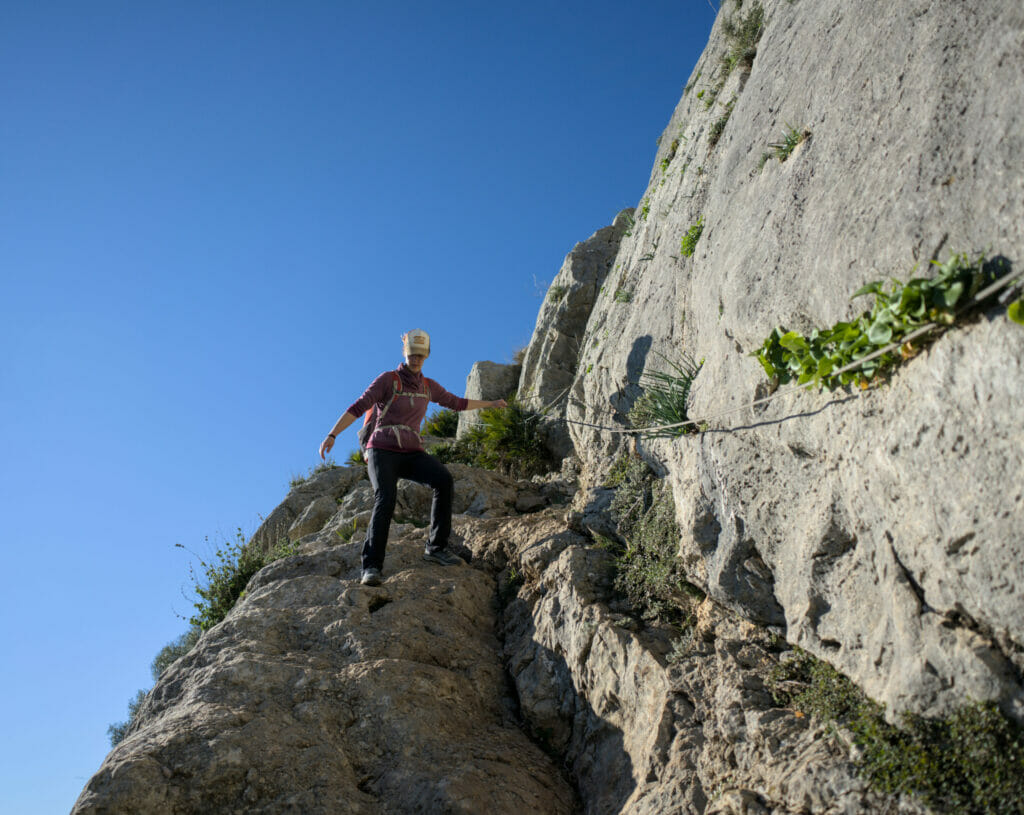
[[969, 762], [505, 439], [648, 570]]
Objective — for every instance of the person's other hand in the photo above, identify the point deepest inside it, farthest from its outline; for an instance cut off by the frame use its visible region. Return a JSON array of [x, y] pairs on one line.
[[325, 447]]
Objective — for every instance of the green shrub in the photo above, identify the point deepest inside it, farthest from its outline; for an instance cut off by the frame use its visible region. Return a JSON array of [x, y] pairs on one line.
[[556, 293], [742, 34], [173, 651], [648, 571], [688, 243], [672, 150], [665, 398], [224, 578], [969, 762], [504, 439], [811, 359], [715, 133], [507, 439], [790, 139], [357, 458], [443, 424], [1015, 311], [117, 732]]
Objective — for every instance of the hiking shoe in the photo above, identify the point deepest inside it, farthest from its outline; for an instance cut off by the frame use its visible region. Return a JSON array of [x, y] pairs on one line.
[[371, 577], [443, 558]]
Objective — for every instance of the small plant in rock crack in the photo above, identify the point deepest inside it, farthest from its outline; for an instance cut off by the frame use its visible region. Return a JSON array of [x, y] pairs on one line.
[[688, 243], [811, 359], [630, 225], [556, 293], [665, 397], [672, 150], [1015, 311], [715, 133], [299, 480], [742, 34], [648, 570], [783, 150]]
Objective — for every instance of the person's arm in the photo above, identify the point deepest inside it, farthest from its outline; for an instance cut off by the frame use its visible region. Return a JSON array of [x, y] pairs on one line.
[[375, 393], [460, 403], [476, 404], [344, 421]]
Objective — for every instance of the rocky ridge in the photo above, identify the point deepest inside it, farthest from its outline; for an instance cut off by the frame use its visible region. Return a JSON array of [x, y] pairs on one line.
[[877, 530]]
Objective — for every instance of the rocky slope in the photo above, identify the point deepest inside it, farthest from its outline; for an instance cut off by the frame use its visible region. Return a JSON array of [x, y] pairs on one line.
[[878, 530], [514, 684]]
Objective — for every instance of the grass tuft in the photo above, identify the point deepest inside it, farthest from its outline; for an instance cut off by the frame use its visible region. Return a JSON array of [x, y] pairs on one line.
[[742, 34], [665, 397]]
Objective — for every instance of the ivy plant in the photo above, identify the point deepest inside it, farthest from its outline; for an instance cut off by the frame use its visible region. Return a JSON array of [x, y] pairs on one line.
[[810, 359]]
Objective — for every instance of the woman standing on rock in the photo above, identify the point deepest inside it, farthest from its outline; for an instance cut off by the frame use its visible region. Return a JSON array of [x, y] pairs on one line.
[[398, 400]]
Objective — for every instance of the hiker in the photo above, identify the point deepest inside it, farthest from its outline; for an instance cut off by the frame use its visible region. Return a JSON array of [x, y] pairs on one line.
[[395, 404]]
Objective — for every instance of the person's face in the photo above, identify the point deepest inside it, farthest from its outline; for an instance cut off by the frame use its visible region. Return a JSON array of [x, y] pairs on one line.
[[415, 362]]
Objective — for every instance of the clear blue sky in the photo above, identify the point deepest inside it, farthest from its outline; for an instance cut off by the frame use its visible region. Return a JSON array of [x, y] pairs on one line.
[[215, 221]]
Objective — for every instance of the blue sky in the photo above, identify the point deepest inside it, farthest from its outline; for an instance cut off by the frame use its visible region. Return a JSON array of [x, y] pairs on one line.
[[215, 221]]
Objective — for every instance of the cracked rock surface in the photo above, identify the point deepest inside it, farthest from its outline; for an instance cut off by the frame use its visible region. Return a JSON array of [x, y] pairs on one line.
[[318, 695]]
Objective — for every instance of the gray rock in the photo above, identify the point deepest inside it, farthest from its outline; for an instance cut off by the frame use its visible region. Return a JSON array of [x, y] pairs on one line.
[[333, 483], [487, 381], [313, 517], [642, 735], [318, 695], [881, 533], [551, 360]]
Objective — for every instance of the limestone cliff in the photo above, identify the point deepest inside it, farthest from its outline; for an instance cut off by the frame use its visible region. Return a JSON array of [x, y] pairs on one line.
[[877, 529]]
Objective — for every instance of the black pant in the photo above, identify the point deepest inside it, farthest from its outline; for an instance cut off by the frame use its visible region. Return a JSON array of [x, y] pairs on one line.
[[385, 468]]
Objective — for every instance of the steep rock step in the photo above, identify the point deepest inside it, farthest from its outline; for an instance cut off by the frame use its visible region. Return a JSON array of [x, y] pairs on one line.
[[319, 695]]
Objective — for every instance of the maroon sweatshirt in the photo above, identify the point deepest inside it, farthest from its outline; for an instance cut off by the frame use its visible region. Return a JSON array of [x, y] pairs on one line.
[[399, 427]]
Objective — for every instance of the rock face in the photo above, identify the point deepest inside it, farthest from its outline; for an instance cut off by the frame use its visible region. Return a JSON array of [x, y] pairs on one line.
[[318, 695], [487, 381], [880, 532], [639, 733], [552, 357]]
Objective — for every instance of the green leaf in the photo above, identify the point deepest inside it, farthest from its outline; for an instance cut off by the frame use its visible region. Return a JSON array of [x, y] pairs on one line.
[[792, 341], [870, 288], [952, 294], [1015, 311], [880, 333]]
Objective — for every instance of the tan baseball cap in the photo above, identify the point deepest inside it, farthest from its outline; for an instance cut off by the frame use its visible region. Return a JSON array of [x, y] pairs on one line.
[[416, 341]]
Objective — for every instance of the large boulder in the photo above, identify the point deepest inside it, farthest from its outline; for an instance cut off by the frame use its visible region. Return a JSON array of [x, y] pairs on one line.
[[487, 381]]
